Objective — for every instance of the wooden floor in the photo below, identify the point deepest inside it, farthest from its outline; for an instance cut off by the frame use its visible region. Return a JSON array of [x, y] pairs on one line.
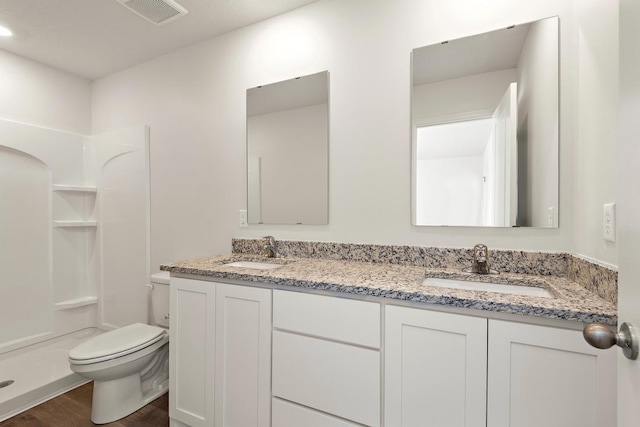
[[73, 409]]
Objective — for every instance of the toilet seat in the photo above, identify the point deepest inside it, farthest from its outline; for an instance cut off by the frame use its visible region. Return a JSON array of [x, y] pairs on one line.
[[117, 343]]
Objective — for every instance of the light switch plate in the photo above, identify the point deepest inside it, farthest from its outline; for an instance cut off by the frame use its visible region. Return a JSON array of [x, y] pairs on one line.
[[609, 222], [242, 218]]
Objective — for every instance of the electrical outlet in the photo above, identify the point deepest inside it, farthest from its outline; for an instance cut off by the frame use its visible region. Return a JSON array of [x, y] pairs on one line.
[[609, 222], [550, 215], [242, 218]]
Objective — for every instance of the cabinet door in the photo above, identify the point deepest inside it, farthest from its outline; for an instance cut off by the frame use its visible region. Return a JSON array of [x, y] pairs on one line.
[[543, 376], [243, 356], [435, 369], [191, 345]]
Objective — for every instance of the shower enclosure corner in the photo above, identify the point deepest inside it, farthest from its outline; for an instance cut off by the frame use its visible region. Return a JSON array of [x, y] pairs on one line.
[[74, 231]]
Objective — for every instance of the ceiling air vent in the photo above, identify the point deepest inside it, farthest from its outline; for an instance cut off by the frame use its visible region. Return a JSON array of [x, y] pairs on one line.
[[157, 11]]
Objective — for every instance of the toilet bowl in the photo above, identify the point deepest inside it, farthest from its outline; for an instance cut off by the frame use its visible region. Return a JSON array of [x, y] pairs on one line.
[[129, 365]]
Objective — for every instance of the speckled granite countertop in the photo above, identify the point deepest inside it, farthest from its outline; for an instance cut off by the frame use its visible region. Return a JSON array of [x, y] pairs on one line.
[[401, 282]]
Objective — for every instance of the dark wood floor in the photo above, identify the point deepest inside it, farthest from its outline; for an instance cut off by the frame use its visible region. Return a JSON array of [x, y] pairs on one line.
[[73, 409]]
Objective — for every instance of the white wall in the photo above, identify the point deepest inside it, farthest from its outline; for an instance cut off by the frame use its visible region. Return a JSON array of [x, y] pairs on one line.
[[37, 94], [194, 102], [538, 124], [596, 103]]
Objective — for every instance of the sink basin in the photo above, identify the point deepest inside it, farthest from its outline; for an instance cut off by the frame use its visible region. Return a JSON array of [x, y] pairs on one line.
[[253, 264], [531, 291]]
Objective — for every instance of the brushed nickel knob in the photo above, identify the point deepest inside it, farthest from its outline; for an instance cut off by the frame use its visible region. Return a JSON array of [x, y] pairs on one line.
[[601, 336]]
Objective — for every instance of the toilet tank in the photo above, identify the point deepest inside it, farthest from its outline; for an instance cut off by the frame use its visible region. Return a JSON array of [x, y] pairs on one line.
[[160, 298]]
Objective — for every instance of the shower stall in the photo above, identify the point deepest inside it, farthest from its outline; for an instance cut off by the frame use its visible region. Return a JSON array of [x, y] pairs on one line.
[[74, 250]]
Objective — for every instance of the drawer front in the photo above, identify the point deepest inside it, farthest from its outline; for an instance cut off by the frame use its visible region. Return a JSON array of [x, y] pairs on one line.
[[331, 377], [287, 414], [351, 321]]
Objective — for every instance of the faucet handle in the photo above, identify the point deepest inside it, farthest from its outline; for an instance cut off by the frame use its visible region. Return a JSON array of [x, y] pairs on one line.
[[481, 259], [481, 252], [270, 240]]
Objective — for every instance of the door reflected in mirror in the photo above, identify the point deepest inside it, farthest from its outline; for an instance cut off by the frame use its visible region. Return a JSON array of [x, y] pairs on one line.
[[485, 129], [288, 151]]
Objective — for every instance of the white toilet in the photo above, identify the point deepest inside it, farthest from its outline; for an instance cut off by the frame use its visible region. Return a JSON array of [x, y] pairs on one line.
[[129, 365]]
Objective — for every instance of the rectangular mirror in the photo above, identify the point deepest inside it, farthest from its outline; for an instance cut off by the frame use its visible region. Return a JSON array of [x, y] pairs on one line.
[[288, 151], [484, 118]]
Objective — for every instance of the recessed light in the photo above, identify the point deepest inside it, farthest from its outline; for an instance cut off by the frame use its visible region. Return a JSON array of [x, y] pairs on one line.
[[5, 32]]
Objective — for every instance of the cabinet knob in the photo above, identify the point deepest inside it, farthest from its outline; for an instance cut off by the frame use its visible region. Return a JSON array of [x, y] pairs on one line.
[[601, 336]]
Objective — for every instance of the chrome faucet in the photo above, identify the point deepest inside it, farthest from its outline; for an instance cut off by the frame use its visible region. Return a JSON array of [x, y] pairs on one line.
[[480, 260], [271, 251]]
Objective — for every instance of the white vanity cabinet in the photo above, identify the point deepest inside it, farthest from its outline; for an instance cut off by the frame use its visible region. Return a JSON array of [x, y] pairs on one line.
[[543, 376], [220, 354], [435, 369], [244, 356]]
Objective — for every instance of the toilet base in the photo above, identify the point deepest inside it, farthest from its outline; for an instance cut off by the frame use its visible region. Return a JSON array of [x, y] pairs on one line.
[[113, 400], [117, 398]]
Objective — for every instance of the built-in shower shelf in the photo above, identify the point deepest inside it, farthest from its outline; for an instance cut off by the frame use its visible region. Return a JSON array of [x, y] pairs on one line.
[[74, 224], [76, 188], [76, 302]]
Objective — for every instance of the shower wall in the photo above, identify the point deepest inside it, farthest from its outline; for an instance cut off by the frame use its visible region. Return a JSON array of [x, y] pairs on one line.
[[74, 216]]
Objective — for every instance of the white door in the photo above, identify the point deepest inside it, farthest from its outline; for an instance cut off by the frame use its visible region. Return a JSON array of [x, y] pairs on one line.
[[505, 120], [629, 206]]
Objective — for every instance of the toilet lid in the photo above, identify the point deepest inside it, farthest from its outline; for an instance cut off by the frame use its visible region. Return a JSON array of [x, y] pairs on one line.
[[121, 340]]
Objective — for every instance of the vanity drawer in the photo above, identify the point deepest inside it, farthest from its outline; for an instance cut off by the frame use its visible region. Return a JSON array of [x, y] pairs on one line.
[[287, 414], [356, 322], [335, 378]]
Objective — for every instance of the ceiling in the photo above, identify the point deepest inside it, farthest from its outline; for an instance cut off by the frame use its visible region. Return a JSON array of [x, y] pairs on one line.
[[298, 92], [94, 38], [482, 53]]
